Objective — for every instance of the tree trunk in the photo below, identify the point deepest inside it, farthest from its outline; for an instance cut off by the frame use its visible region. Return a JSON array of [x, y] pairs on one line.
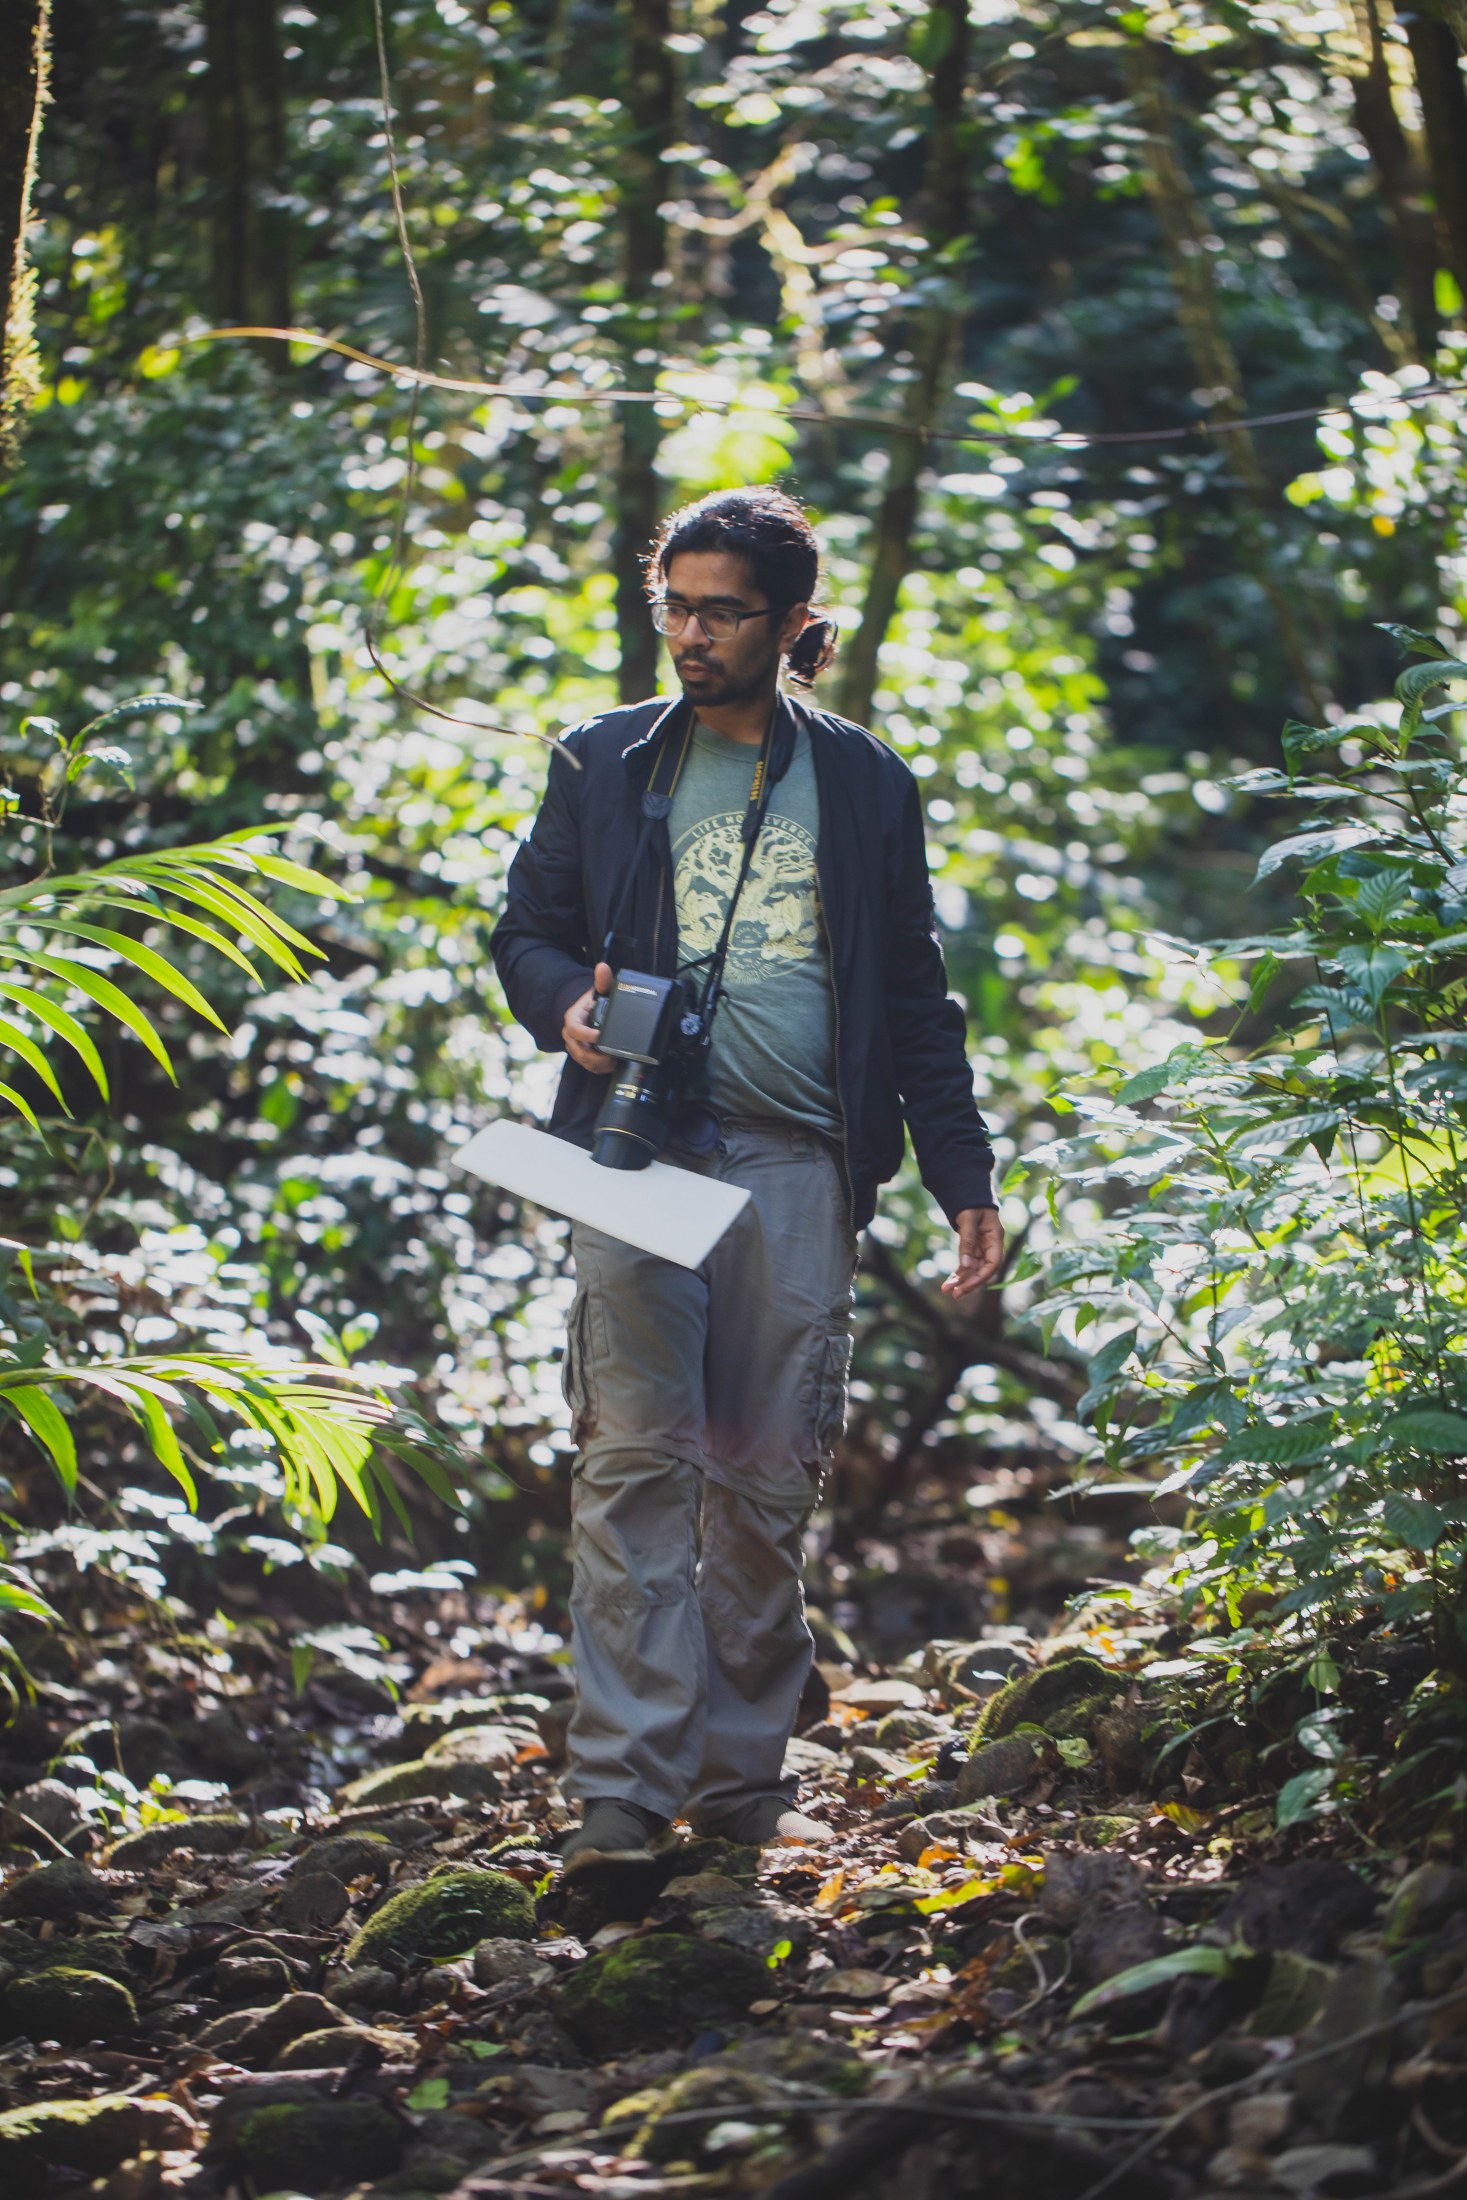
[[651, 102], [25, 54], [1402, 184], [1443, 95], [935, 337], [245, 116], [1214, 362]]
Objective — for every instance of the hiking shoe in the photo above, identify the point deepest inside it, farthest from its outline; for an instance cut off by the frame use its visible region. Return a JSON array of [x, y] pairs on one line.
[[613, 1832], [766, 1819]]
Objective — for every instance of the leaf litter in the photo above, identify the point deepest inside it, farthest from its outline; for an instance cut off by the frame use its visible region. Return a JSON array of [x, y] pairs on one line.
[[257, 1941]]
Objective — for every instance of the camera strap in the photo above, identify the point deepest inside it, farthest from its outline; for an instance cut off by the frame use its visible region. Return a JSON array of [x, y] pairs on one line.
[[760, 795]]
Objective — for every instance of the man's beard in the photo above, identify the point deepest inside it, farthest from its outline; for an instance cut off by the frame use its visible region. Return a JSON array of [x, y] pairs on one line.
[[722, 688]]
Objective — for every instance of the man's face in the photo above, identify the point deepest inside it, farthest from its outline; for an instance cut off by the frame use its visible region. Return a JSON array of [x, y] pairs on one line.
[[746, 665]]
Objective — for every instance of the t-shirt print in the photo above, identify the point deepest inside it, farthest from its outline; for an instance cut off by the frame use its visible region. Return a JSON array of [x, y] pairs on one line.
[[778, 921]]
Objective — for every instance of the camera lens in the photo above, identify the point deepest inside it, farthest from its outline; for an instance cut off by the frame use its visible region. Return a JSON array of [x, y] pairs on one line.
[[631, 1129]]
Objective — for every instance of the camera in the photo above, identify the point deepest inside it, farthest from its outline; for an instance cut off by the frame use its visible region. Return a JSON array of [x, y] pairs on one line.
[[658, 1041]]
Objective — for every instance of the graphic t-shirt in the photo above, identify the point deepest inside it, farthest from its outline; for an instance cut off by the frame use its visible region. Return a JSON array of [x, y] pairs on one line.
[[773, 1051]]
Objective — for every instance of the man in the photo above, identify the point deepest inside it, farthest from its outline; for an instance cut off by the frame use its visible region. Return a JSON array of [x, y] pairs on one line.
[[706, 1404]]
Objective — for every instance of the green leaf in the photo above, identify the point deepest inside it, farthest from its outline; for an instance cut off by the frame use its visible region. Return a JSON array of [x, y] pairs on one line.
[[63, 1023], [48, 1424], [108, 996], [1299, 1798], [1142, 1977], [147, 959], [1413, 1521], [166, 1448], [1427, 1428], [429, 2094]]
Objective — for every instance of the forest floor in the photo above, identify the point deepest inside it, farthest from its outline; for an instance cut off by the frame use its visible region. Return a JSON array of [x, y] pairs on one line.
[[335, 1953]]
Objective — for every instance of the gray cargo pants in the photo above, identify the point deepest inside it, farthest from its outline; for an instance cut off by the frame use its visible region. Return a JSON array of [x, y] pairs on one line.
[[705, 1404]]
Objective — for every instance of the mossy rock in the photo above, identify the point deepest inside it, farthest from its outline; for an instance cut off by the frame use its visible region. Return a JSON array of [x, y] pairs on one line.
[[63, 2004], [315, 2146], [654, 1991], [348, 1856], [216, 1834], [335, 2048], [22, 1954], [409, 1783], [91, 2137], [1038, 1698], [496, 1746], [424, 1722], [445, 1916], [56, 1893], [899, 1728], [1102, 1832], [1003, 1767]]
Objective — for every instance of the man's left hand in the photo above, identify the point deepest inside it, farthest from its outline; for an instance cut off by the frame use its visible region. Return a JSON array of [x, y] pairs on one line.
[[980, 1251]]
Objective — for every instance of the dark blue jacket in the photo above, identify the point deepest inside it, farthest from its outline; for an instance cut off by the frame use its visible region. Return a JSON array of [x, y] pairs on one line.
[[900, 1039]]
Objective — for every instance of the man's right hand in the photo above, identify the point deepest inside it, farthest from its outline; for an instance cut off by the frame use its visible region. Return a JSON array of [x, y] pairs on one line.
[[578, 1031]]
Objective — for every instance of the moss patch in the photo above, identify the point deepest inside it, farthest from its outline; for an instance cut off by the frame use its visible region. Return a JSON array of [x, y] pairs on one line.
[[215, 1834], [1041, 1697], [407, 1783], [91, 2137], [67, 2005], [314, 2146], [649, 1993], [443, 1917]]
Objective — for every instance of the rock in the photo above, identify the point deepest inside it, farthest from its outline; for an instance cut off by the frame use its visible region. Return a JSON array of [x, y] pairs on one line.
[[349, 1856], [1077, 1884], [759, 1928], [1043, 1697], [1309, 2169], [444, 1916], [850, 1985], [1259, 2121], [67, 2005], [90, 2137], [476, 1745], [1102, 1831], [656, 1990], [876, 1764], [224, 1748], [315, 2146], [254, 2037], [497, 1960], [138, 1747], [56, 1893], [423, 1723], [900, 1728], [1307, 1906], [216, 1834], [333, 2049], [370, 1987], [878, 1696], [809, 1760], [1108, 1941], [1343, 2089], [310, 1900], [420, 1778], [1003, 1767], [965, 1671], [21, 1954], [252, 1979], [534, 2090], [1120, 1735], [47, 1805], [1423, 1901]]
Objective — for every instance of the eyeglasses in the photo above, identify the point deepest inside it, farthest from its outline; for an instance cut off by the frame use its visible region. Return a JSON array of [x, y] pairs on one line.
[[719, 621]]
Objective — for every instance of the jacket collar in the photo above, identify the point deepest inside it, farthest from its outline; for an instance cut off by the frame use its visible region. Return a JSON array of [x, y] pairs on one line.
[[641, 753]]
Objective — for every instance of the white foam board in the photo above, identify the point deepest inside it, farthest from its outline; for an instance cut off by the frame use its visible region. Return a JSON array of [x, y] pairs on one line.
[[665, 1210]]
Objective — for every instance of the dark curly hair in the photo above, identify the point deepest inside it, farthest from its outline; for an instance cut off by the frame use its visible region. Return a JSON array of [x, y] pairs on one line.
[[770, 532]]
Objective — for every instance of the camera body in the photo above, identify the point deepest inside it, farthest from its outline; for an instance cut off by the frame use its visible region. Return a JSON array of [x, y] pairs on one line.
[[649, 1026]]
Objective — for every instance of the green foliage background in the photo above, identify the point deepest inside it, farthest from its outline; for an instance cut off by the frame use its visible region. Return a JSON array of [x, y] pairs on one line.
[[1094, 648]]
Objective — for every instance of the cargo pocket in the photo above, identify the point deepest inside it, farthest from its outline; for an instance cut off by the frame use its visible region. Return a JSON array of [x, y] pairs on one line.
[[577, 1373], [830, 1397]]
